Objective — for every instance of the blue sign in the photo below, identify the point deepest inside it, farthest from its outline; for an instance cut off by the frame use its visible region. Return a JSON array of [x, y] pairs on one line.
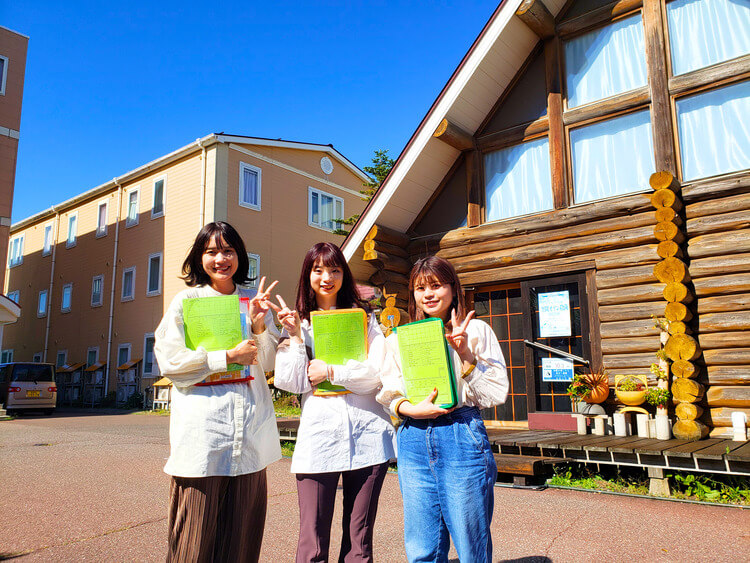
[[557, 369]]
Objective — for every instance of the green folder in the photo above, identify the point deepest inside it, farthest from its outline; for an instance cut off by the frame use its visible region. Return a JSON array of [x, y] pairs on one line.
[[426, 362], [213, 323], [339, 335]]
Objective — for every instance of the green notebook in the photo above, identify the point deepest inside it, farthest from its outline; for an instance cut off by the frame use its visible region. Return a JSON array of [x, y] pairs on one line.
[[214, 323], [339, 335], [426, 362]]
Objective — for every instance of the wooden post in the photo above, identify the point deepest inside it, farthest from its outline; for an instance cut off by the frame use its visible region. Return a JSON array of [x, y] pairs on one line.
[[556, 126], [473, 188], [536, 15], [453, 135]]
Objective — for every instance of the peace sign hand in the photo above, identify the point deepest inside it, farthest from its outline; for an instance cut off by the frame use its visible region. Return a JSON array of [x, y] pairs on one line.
[[458, 337], [260, 305], [288, 318]]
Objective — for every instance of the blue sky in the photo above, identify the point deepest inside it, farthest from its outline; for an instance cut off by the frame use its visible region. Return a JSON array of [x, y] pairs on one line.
[[111, 86]]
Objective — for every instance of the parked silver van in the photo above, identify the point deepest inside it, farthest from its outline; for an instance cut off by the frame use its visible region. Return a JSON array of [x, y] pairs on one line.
[[28, 386]]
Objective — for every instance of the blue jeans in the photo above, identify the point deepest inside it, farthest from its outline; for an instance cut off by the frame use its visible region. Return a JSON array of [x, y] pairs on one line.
[[446, 472]]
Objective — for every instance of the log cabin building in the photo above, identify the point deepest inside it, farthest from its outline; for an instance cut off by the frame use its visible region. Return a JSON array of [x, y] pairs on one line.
[[534, 174]]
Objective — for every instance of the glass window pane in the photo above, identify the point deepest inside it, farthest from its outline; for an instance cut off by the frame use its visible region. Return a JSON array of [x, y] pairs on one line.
[[47, 239], [72, 220], [123, 355], [61, 359], [706, 32], [714, 131], [518, 180], [605, 62], [91, 358], [612, 157], [154, 267], [250, 187], [67, 291], [314, 213], [326, 211], [132, 207], [158, 197], [148, 355], [127, 284], [42, 305]]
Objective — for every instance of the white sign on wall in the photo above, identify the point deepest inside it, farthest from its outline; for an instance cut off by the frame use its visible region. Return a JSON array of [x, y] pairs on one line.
[[554, 314], [557, 369]]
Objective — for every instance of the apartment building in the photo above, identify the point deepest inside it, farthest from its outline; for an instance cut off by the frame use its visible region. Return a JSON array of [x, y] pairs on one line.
[[94, 274]]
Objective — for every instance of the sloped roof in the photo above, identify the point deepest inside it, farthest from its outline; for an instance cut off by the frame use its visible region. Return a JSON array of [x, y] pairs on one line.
[[482, 76]]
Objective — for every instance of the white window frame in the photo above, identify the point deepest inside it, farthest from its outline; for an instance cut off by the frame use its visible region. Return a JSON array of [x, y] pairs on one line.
[[46, 303], [18, 260], [6, 356], [129, 347], [319, 192], [101, 230], [14, 296], [243, 166], [67, 309], [157, 291], [101, 293], [37, 357], [154, 367], [68, 242], [46, 251], [4, 77], [128, 221], [57, 357], [256, 257], [92, 349], [130, 297], [163, 197]]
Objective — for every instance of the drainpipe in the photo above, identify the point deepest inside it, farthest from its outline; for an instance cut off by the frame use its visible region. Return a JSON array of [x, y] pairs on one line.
[[114, 282], [55, 231], [202, 217]]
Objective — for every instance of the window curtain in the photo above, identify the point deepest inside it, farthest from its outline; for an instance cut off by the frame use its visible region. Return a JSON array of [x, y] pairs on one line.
[[714, 131], [612, 157], [605, 62], [706, 32], [518, 180], [250, 187]]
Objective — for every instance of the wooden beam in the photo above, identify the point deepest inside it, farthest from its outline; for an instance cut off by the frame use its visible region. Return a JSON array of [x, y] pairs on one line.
[[709, 76], [597, 17], [536, 15], [453, 135], [385, 234], [474, 188], [555, 117], [713, 188], [621, 102], [661, 112], [512, 135]]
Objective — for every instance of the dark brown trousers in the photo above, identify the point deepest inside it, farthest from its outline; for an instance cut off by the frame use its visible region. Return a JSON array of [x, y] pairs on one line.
[[217, 518], [317, 495]]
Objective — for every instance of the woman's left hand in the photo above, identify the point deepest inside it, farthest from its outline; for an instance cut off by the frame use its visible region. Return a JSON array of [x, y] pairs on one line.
[[259, 306], [317, 371], [458, 338]]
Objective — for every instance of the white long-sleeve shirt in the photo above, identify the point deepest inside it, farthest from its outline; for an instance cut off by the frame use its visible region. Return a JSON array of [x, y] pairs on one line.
[[227, 429], [486, 386], [339, 432]]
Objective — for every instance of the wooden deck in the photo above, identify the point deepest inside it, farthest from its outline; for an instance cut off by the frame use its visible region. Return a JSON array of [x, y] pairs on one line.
[[711, 455]]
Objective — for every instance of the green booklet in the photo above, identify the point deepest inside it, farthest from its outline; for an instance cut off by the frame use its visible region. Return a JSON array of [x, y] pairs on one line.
[[426, 362], [339, 335]]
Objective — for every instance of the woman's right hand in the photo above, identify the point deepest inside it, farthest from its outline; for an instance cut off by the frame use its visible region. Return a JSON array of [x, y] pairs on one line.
[[424, 409], [288, 318], [245, 353]]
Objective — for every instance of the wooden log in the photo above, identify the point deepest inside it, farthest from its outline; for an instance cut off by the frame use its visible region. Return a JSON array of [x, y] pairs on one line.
[[626, 361], [722, 285], [385, 261], [679, 327], [454, 135], [536, 15], [718, 223], [625, 276], [689, 430], [400, 291], [668, 231], [727, 375], [630, 311], [727, 357], [624, 329], [719, 244], [668, 249], [556, 133], [677, 312], [388, 235], [714, 189], [667, 215], [618, 102], [722, 416], [677, 293], [612, 346], [724, 303], [666, 198], [684, 368], [709, 75], [599, 15], [380, 246], [715, 340], [724, 322], [633, 294], [718, 206], [383, 276], [713, 265], [721, 433], [682, 347], [474, 188], [663, 181], [729, 396], [687, 390], [688, 411], [671, 270]]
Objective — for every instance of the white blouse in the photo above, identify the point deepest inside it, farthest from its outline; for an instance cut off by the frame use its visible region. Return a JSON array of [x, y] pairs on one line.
[[486, 386], [339, 432], [216, 430]]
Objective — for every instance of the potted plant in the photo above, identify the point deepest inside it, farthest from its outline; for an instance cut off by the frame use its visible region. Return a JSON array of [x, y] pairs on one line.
[[631, 389], [592, 387], [658, 397]]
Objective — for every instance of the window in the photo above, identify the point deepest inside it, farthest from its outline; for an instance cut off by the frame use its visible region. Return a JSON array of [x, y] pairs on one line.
[[72, 230], [92, 356], [41, 307], [324, 210], [14, 296], [133, 199], [6, 356], [605, 62], [253, 269], [128, 284], [150, 368], [154, 274], [3, 73], [157, 207], [47, 249], [518, 180], [97, 291], [16, 251], [123, 354], [703, 32], [249, 186], [67, 297], [37, 357], [62, 358], [713, 134], [101, 219], [612, 157]]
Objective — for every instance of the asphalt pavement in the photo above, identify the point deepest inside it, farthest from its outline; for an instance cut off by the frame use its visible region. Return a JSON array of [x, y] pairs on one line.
[[89, 486]]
